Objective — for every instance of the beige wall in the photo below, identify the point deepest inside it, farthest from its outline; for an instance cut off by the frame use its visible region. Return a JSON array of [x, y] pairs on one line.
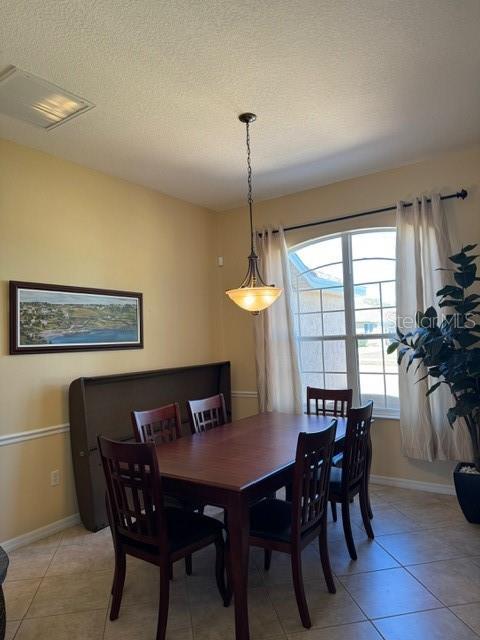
[[445, 173], [61, 223]]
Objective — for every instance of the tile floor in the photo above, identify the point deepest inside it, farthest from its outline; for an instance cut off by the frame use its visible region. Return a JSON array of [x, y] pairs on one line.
[[419, 580]]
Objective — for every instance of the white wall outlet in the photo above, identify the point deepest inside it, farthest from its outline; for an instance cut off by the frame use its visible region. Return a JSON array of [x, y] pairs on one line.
[[220, 261], [55, 478]]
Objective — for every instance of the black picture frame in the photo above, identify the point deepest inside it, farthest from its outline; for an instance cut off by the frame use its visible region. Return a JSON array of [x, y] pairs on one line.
[[33, 330]]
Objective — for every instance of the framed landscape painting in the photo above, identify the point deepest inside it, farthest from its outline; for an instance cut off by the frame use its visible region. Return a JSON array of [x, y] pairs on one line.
[[47, 318]]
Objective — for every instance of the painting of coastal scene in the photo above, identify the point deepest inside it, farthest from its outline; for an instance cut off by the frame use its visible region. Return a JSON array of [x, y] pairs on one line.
[[58, 319]]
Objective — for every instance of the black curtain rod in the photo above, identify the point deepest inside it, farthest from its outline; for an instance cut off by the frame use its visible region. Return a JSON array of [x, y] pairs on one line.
[[459, 194]]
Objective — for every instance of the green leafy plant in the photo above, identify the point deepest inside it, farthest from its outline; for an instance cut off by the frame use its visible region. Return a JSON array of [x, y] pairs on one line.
[[449, 347]]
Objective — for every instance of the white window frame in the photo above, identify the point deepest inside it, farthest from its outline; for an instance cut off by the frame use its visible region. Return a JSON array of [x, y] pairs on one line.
[[350, 337]]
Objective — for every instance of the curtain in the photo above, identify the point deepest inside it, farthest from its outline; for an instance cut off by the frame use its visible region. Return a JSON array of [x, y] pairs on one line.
[[423, 245], [278, 375]]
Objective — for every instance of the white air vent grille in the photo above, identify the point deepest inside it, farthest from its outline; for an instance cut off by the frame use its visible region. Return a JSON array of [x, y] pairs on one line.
[[26, 97]]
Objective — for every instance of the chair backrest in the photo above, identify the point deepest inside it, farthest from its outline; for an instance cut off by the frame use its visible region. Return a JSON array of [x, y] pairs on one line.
[[311, 478], [134, 492], [157, 425], [329, 402], [207, 413], [357, 443]]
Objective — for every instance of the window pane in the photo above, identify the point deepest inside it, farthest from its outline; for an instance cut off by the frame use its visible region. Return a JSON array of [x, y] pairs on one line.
[[371, 388], [334, 323], [319, 253], [311, 324], [333, 299], [391, 365], [368, 321], [335, 356], [373, 270], [327, 276], [336, 381], [389, 320], [296, 324], [367, 295], [309, 300], [302, 282], [312, 380], [392, 392], [388, 294], [376, 244], [311, 356], [370, 359]]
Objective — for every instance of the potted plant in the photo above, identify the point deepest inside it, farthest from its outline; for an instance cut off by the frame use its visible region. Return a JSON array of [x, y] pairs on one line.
[[449, 348]]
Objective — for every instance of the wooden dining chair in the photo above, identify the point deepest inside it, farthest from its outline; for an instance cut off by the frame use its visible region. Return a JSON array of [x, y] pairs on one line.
[[144, 528], [352, 478], [278, 525], [329, 402], [159, 426], [207, 413]]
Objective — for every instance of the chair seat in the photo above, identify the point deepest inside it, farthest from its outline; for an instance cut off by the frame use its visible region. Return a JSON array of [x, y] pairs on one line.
[[184, 528], [335, 479], [187, 527], [179, 503], [271, 519], [336, 484]]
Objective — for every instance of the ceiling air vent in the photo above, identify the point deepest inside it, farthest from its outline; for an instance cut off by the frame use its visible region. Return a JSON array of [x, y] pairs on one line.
[[26, 97]]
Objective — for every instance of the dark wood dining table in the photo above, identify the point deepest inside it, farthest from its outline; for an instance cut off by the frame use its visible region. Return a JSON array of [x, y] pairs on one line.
[[231, 467]]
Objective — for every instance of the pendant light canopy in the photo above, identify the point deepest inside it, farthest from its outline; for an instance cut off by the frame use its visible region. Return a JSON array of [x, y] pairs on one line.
[[253, 294]]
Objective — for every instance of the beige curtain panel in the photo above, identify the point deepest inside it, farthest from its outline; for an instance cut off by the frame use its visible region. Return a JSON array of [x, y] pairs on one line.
[[278, 375], [423, 245]]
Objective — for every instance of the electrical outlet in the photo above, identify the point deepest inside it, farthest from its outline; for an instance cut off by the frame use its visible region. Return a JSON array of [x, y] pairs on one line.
[[55, 478]]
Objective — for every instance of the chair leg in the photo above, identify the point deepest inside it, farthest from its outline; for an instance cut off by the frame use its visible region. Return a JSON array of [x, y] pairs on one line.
[[220, 571], [118, 582], [365, 515], [188, 565], [333, 506], [164, 599], [299, 588], [347, 528], [325, 558], [267, 559], [369, 504]]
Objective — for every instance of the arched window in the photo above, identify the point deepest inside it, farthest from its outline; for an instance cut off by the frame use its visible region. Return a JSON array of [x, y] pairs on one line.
[[344, 309]]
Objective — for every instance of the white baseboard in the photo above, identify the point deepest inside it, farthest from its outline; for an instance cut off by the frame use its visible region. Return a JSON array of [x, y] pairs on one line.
[[416, 485], [43, 532]]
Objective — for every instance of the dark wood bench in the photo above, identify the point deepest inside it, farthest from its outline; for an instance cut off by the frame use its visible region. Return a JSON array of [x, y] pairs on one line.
[[102, 405]]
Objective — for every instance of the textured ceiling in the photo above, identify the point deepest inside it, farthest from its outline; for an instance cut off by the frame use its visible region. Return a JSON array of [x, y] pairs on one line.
[[341, 87]]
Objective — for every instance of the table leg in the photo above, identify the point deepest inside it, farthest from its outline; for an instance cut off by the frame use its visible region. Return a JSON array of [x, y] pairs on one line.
[[238, 533]]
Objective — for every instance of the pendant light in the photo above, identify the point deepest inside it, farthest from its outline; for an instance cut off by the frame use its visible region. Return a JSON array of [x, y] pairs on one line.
[[253, 294]]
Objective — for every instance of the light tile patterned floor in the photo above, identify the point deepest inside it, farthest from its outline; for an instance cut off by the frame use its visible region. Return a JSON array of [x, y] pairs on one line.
[[419, 580]]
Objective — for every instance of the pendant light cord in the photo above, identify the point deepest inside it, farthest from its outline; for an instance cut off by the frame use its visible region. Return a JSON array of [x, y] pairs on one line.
[[249, 180]]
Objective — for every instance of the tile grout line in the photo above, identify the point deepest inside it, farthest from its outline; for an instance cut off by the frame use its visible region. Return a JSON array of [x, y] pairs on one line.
[[463, 621], [39, 585]]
